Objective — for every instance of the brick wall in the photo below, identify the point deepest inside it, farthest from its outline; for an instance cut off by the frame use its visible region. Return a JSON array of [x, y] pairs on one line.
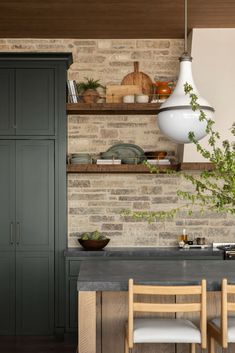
[[95, 200]]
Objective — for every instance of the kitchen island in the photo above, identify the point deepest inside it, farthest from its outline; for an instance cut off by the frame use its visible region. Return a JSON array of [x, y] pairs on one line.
[[102, 291]]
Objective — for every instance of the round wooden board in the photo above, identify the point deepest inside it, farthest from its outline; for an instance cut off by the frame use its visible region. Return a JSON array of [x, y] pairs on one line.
[[139, 78]]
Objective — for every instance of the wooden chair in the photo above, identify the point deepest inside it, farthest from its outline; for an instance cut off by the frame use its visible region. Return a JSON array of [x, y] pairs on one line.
[[166, 330], [222, 330]]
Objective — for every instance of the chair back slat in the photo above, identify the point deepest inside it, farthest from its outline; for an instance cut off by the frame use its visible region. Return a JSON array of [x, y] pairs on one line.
[[167, 308], [137, 306], [231, 288], [169, 290], [226, 306], [231, 306]]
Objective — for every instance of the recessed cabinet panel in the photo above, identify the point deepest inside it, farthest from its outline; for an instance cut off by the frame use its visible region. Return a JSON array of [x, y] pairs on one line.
[[7, 102], [34, 293], [35, 195], [73, 303], [7, 293], [7, 195], [35, 103]]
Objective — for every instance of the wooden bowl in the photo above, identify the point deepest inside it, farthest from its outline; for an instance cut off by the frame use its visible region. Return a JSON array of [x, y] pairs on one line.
[[94, 244], [155, 154]]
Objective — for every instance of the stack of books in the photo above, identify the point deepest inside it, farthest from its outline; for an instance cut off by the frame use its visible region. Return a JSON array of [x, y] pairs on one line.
[[159, 161], [108, 161], [73, 96]]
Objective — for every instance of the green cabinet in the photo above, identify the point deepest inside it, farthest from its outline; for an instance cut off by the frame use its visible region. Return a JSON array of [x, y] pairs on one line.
[[8, 197], [34, 195], [27, 195], [34, 293], [33, 229], [7, 91], [7, 293], [27, 236], [27, 97]]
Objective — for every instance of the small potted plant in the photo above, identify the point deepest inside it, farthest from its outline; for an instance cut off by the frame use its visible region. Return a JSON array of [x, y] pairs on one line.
[[88, 90]]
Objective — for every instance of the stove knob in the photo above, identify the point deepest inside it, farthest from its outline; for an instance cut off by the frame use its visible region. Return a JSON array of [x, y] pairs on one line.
[[229, 256]]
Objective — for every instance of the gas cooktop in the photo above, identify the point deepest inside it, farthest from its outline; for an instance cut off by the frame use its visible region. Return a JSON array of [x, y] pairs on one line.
[[224, 246]]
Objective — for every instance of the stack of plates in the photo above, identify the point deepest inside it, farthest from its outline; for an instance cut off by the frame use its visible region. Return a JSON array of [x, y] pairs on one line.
[[127, 152], [80, 158]]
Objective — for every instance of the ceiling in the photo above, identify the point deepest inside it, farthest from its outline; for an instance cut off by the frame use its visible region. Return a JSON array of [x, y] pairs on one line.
[[110, 18]]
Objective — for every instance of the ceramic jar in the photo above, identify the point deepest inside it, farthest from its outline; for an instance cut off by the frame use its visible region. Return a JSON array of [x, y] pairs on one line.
[[163, 89]]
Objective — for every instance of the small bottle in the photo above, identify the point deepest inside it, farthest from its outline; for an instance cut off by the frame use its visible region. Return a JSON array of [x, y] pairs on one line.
[[184, 236]]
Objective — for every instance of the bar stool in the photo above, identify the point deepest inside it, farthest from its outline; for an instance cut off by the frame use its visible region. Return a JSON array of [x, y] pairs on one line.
[[222, 330], [165, 330]]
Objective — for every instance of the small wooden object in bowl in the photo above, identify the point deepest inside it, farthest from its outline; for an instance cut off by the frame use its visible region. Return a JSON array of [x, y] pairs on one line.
[[93, 241]]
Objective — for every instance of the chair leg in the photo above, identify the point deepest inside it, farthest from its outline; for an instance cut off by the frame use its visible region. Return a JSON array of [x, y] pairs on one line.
[[126, 346], [193, 347], [211, 345]]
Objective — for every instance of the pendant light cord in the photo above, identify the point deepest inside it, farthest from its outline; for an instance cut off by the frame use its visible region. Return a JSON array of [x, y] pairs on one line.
[[185, 26]]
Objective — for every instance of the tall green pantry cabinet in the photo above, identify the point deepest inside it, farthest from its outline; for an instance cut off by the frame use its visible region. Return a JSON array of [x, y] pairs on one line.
[[32, 192]]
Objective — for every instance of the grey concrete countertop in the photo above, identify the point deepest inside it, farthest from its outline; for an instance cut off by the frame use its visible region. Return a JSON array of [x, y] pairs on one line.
[[143, 252], [113, 275]]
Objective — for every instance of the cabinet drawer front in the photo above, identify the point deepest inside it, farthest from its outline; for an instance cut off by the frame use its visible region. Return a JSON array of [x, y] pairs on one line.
[[74, 267]]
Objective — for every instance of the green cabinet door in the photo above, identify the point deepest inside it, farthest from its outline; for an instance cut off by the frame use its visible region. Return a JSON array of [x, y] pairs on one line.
[[7, 293], [34, 293], [7, 118], [35, 195], [35, 102], [7, 195]]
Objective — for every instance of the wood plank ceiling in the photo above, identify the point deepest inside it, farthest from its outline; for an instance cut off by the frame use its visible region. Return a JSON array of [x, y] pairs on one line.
[[110, 18]]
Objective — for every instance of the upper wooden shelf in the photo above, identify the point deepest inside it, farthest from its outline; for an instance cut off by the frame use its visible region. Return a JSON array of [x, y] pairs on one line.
[[113, 108]]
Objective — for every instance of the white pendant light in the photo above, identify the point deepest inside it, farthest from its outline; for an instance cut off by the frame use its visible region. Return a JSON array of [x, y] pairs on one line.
[[176, 117]]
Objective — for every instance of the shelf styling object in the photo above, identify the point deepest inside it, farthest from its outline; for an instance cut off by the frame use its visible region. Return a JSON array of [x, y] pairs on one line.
[[127, 152], [139, 78], [115, 93], [155, 154], [80, 158], [176, 118], [163, 90], [88, 90], [93, 241]]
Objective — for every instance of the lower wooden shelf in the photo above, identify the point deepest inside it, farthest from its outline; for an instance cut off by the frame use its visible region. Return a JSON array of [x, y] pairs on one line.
[[121, 168]]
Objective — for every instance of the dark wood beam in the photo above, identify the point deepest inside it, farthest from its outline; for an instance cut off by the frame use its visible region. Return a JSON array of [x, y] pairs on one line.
[[110, 18]]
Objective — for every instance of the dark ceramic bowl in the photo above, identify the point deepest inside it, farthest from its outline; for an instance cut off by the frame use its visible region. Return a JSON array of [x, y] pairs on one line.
[[93, 244]]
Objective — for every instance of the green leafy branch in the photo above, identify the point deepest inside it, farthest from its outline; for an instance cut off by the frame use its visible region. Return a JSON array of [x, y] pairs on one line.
[[213, 190]]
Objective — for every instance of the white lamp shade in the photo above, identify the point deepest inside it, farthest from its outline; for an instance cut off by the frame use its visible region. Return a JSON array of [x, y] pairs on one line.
[[176, 117]]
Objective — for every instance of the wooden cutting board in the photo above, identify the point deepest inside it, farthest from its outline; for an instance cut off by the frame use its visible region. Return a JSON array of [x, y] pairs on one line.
[[139, 78], [115, 93]]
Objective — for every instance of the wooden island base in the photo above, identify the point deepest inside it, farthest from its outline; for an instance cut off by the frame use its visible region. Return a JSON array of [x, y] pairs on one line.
[[102, 316]]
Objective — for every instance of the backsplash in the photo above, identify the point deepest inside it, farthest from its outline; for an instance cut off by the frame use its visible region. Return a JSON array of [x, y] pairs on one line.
[[95, 200]]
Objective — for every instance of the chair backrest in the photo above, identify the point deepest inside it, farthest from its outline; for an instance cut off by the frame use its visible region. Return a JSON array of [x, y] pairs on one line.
[[137, 306], [226, 307]]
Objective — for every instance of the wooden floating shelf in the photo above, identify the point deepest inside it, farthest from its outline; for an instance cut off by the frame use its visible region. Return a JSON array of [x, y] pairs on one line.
[[133, 168], [196, 166], [120, 168], [113, 108]]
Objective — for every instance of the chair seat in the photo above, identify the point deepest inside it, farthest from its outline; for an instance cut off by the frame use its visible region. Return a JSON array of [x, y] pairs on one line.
[[231, 327], [159, 330]]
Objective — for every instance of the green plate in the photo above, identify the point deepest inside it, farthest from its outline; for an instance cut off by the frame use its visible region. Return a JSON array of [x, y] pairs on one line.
[[128, 152], [138, 149]]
